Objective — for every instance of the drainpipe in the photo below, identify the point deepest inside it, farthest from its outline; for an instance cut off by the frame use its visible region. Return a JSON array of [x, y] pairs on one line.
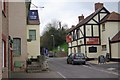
[[9, 57], [109, 47]]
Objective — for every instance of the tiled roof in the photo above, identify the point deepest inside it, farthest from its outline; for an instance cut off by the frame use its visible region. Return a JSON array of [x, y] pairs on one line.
[[86, 19], [33, 22], [112, 17], [116, 38]]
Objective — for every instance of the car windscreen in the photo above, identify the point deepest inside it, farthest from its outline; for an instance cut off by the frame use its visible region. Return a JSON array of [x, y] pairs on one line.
[[80, 56]]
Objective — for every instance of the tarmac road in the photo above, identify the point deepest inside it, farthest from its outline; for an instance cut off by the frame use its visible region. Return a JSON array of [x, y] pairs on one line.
[[60, 66]]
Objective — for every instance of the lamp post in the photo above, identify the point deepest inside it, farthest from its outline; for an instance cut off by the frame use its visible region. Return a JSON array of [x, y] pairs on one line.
[[53, 41]]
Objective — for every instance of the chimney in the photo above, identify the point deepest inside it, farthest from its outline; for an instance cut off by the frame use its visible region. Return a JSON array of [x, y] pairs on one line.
[[98, 5], [80, 18], [73, 25]]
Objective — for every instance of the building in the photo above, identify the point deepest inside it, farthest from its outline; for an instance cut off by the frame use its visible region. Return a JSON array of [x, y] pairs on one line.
[[4, 41], [110, 31], [18, 31], [33, 34], [89, 37], [115, 46], [0, 40], [10, 26]]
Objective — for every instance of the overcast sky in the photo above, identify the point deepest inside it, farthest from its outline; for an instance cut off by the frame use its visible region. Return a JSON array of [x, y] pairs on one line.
[[67, 11]]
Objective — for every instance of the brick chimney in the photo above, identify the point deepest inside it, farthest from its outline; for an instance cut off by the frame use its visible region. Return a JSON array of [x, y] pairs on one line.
[[73, 26], [98, 5], [80, 18]]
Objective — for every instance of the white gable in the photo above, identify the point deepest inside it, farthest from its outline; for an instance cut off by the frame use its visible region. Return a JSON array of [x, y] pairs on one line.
[[92, 22], [103, 11], [102, 15], [96, 18]]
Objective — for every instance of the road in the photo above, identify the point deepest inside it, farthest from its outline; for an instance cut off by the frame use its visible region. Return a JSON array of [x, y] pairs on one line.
[[58, 68], [65, 70]]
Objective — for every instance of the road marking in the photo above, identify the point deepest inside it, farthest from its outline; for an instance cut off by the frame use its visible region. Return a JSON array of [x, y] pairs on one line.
[[61, 75], [111, 69], [101, 70]]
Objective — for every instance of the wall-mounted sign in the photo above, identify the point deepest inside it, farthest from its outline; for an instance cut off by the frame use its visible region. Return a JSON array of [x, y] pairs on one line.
[[68, 38], [33, 15], [92, 41]]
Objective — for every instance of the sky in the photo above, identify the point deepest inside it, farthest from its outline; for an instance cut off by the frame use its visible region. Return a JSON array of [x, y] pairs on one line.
[[67, 11]]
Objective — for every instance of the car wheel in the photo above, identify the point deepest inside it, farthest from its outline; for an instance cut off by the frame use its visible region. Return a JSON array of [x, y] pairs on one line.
[[84, 63], [73, 63], [67, 62]]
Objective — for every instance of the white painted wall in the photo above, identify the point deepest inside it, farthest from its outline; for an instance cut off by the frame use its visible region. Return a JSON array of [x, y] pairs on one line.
[[96, 54], [33, 46], [111, 29], [96, 18], [115, 50]]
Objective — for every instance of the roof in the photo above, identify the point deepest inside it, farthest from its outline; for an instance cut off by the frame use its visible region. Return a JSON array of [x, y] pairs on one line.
[[116, 38], [84, 21], [112, 17], [33, 17]]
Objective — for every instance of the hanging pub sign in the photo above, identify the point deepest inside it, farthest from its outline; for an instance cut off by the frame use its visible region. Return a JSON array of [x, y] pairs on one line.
[[33, 15], [92, 41]]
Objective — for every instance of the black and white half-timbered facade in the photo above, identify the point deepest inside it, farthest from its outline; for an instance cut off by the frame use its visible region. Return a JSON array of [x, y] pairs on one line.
[[85, 37]]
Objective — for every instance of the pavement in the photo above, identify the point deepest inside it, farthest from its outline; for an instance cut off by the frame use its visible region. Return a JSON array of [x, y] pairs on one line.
[[43, 74], [110, 66]]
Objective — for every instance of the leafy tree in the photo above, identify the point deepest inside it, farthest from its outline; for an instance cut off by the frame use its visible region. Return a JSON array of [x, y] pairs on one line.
[[57, 30]]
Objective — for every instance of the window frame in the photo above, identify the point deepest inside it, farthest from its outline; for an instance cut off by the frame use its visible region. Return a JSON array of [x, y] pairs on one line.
[[103, 27], [95, 50], [32, 35], [104, 47], [16, 54]]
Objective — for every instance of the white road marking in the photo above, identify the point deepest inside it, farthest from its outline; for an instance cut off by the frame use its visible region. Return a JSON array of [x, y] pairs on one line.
[[101, 70], [111, 69], [61, 75]]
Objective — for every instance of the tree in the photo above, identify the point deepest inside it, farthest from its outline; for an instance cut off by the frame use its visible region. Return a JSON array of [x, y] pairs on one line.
[[58, 30]]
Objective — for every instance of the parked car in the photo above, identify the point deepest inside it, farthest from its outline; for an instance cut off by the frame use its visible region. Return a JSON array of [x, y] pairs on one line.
[[51, 54], [76, 58]]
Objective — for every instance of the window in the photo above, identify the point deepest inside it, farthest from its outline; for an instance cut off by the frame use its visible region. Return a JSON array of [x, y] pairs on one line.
[[74, 35], [92, 49], [17, 46], [78, 33], [32, 34], [79, 48], [104, 47], [103, 27]]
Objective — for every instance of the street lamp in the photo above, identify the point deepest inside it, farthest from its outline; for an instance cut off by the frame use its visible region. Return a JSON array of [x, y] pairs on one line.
[[53, 41]]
